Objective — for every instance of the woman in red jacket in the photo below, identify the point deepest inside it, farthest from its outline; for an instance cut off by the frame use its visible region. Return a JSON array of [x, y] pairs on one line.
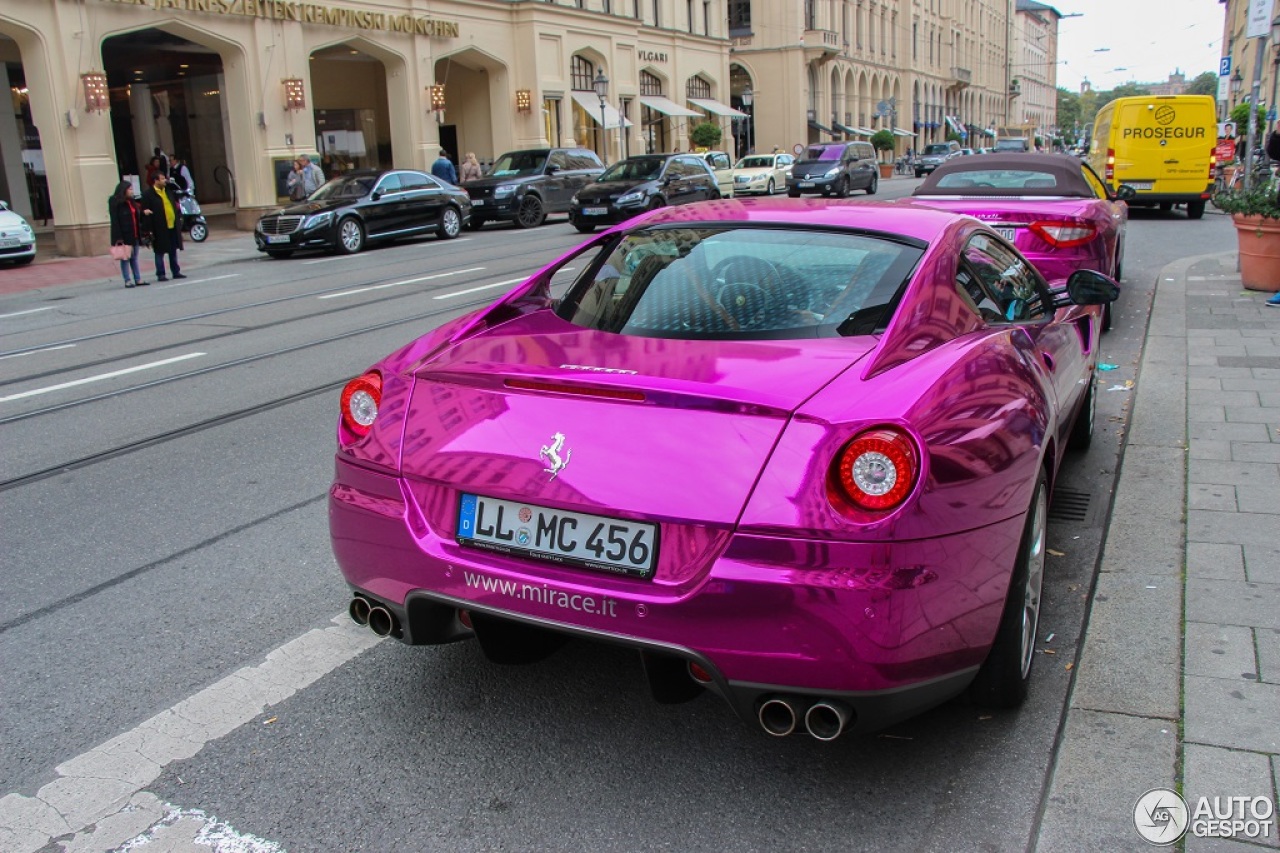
[[126, 230]]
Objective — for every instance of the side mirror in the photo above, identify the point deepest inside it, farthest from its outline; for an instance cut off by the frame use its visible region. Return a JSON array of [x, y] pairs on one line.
[[1124, 192], [552, 168], [377, 194], [1087, 287]]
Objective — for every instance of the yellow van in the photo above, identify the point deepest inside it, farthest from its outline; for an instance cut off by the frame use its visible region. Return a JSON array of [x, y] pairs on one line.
[[1160, 146]]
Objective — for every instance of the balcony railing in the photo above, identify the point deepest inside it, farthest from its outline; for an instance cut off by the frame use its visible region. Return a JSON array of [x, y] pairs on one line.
[[821, 44], [961, 77]]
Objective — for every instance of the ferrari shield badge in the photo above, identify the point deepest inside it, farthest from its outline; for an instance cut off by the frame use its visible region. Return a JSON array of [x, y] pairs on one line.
[[551, 453]]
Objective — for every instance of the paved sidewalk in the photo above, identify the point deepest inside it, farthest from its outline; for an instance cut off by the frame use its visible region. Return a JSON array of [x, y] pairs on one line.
[[1178, 680]]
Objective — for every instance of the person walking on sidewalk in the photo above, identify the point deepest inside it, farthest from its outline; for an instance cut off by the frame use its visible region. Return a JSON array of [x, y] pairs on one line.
[[126, 232], [443, 169], [164, 223], [471, 170]]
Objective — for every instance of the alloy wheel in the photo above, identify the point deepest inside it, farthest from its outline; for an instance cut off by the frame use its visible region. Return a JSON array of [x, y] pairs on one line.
[[1034, 587]]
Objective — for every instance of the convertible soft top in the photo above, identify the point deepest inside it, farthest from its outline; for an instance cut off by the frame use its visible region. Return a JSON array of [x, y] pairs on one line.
[[1016, 174]]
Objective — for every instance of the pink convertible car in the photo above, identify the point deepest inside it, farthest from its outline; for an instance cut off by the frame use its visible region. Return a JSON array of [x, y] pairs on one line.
[[795, 453], [1053, 208]]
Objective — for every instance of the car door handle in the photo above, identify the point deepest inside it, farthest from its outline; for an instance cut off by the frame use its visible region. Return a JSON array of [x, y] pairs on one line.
[[1048, 360]]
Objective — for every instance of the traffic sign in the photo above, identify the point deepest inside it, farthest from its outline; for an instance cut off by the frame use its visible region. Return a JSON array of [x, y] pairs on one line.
[[1271, 114], [1224, 67]]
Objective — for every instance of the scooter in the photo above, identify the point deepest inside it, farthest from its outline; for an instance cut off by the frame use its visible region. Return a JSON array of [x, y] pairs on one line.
[[193, 221]]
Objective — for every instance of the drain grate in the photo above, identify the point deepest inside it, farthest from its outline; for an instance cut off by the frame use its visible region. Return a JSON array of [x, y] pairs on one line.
[[1070, 505]]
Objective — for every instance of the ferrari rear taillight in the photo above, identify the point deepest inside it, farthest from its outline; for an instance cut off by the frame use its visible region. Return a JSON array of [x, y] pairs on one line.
[[360, 399], [878, 469], [1063, 234], [1109, 172]]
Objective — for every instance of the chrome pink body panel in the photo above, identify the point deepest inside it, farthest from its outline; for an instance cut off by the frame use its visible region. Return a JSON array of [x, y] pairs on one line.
[[729, 452]]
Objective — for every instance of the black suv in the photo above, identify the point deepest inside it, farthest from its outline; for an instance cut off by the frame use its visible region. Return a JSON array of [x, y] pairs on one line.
[[835, 168], [644, 182], [524, 186]]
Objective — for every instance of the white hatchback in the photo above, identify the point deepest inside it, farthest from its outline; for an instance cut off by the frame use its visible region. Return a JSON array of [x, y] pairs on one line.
[[17, 240]]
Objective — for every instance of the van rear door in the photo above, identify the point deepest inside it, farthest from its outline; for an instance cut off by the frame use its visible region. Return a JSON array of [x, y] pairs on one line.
[[1163, 146]]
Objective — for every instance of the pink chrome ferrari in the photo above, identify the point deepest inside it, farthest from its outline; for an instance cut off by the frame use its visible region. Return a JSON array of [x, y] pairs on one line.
[[1052, 207], [796, 453]]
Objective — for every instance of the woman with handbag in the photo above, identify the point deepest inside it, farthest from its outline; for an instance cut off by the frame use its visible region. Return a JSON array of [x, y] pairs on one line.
[[126, 232]]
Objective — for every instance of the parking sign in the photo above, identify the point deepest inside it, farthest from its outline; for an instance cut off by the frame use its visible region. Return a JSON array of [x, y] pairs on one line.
[[1224, 67]]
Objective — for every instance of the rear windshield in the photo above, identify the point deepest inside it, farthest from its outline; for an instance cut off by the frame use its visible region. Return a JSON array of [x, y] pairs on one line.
[[740, 283], [1001, 179]]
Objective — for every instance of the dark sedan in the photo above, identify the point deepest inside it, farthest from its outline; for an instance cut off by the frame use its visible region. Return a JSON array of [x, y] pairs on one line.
[[637, 184], [359, 208]]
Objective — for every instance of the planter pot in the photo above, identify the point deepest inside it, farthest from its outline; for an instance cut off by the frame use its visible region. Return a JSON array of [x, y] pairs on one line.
[[886, 170], [1259, 241]]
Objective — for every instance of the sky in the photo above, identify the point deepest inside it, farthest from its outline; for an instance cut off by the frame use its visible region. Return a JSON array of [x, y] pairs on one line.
[[1140, 41]]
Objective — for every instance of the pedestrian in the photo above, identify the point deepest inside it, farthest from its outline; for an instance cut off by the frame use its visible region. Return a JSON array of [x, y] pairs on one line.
[[165, 163], [126, 232], [443, 169], [153, 167], [163, 217], [180, 173], [305, 178], [471, 168]]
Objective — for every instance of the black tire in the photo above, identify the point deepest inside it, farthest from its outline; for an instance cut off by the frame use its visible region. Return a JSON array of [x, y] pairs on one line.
[[475, 223], [771, 189], [1106, 318], [279, 254], [1005, 676], [919, 173], [1082, 430], [531, 213], [793, 193], [450, 223], [584, 228], [655, 203], [842, 188], [199, 232], [1195, 209], [874, 185], [22, 262], [350, 236]]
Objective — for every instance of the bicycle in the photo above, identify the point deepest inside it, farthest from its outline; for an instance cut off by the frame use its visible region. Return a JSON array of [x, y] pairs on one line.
[[902, 166]]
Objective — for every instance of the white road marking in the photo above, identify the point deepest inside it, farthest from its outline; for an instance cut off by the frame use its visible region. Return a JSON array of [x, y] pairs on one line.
[[34, 351], [95, 790], [101, 376], [478, 289], [198, 281], [356, 290], [28, 311]]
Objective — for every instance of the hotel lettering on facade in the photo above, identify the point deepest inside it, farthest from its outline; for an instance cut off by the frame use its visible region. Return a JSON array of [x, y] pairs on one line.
[[241, 87]]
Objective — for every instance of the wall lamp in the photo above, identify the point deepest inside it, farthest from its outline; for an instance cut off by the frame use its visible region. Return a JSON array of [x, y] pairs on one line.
[[96, 97], [295, 94], [437, 97], [524, 100]]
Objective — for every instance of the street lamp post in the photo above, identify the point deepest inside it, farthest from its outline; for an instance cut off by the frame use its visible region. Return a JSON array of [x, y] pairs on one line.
[[601, 85], [749, 98]]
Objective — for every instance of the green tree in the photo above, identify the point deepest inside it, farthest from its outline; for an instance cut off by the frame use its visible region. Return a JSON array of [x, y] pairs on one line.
[[1203, 84], [882, 140], [1069, 114], [705, 134]]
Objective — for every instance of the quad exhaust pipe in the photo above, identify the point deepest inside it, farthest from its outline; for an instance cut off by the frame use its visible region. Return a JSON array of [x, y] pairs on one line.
[[825, 720], [379, 619]]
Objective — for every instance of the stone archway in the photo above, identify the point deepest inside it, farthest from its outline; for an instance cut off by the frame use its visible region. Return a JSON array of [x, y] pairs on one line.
[[476, 84]]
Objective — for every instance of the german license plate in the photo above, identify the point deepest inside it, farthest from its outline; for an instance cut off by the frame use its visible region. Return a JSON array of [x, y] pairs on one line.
[[594, 211], [1141, 185], [1006, 233], [805, 185], [560, 536], [277, 238], [477, 202], [8, 242]]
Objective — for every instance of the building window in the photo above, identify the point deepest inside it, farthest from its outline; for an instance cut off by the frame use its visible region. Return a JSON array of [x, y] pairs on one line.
[[697, 88], [582, 74], [657, 22], [810, 14], [706, 17], [551, 119], [739, 17], [688, 5], [653, 127]]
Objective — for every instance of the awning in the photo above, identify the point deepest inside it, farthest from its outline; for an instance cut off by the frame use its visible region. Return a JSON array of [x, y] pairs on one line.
[[900, 132], [955, 125], [716, 108], [822, 127], [989, 132], [666, 106], [852, 131], [591, 106]]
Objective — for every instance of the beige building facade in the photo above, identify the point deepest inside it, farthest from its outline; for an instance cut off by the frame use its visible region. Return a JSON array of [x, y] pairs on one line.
[[1248, 55], [1034, 69], [241, 87]]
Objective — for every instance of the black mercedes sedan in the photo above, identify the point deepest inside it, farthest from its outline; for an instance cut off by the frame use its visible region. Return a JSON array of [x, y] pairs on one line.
[[645, 182], [360, 208]]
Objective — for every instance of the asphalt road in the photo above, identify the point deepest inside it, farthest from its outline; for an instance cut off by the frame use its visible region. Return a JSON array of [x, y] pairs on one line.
[[165, 547]]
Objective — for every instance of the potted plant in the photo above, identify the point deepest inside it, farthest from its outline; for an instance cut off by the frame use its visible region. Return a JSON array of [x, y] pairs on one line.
[[882, 141], [705, 134], [1256, 214]]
